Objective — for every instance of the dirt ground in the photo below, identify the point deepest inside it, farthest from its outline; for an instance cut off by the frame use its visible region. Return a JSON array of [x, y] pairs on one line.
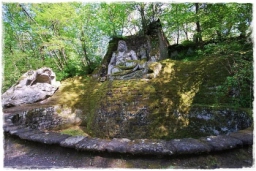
[[21, 154]]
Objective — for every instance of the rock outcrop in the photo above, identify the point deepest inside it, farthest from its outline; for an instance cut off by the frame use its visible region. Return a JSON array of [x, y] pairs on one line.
[[33, 86], [132, 57]]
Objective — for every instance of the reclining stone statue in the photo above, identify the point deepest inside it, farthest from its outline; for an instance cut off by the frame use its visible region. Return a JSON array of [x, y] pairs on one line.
[[33, 86], [125, 64], [122, 61]]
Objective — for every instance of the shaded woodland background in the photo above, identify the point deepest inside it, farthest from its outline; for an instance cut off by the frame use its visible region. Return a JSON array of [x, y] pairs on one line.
[[72, 38]]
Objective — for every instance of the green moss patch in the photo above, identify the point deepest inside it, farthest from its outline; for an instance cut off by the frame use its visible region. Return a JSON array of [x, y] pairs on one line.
[[74, 131]]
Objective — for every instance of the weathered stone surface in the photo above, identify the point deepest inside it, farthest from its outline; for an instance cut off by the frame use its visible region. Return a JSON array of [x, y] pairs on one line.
[[92, 144], [71, 141], [9, 128], [190, 146], [151, 147], [6, 125], [45, 118], [8, 121], [133, 121], [8, 117], [33, 86], [26, 135], [221, 142], [118, 145], [20, 131], [246, 138], [249, 130], [229, 120], [48, 137]]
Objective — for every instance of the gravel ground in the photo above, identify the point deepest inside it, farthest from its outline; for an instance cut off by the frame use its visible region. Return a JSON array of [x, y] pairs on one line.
[[23, 154]]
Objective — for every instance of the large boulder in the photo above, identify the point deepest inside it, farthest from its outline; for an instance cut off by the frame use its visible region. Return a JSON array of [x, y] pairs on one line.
[[33, 86]]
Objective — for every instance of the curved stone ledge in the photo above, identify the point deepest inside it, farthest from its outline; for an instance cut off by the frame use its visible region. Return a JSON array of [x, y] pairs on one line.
[[139, 146]]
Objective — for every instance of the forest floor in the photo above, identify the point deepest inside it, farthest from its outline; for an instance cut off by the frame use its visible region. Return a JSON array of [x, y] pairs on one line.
[[21, 154]]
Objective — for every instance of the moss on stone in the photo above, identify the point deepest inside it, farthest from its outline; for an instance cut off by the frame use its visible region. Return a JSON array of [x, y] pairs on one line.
[[74, 131], [168, 98]]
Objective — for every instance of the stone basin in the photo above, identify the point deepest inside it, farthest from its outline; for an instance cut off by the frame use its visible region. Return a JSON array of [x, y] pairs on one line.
[[16, 123]]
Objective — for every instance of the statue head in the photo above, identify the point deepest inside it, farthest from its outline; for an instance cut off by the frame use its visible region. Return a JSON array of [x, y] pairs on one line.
[[122, 47]]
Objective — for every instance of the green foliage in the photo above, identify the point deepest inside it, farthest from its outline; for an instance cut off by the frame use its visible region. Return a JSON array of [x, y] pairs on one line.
[[237, 59], [188, 43], [239, 64], [217, 21], [242, 79], [37, 35], [71, 38]]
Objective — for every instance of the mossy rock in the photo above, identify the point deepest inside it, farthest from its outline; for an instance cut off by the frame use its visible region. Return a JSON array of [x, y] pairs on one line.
[[142, 108]]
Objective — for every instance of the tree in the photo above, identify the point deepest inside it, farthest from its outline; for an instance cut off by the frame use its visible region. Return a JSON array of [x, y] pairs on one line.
[[225, 20], [198, 26], [178, 19], [71, 38], [19, 48], [149, 12], [113, 17]]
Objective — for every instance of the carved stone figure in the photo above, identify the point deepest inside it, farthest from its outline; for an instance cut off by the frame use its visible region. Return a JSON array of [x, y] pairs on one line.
[[125, 64], [33, 86], [123, 61]]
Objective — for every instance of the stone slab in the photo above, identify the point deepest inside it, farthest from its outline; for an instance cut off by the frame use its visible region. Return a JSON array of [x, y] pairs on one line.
[[48, 137], [151, 147], [246, 138], [26, 135], [190, 146], [139, 146], [221, 142], [8, 122], [12, 128], [118, 145], [19, 131], [71, 141], [92, 144], [247, 131]]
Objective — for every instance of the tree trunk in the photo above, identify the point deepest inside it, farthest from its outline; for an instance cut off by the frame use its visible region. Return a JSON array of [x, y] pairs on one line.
[[62, 51], [178, 34], [56, 62], [219, 34], [143, 18], [27, 14], [185, 31], [59, 59], [88, 62], [198, 26]]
